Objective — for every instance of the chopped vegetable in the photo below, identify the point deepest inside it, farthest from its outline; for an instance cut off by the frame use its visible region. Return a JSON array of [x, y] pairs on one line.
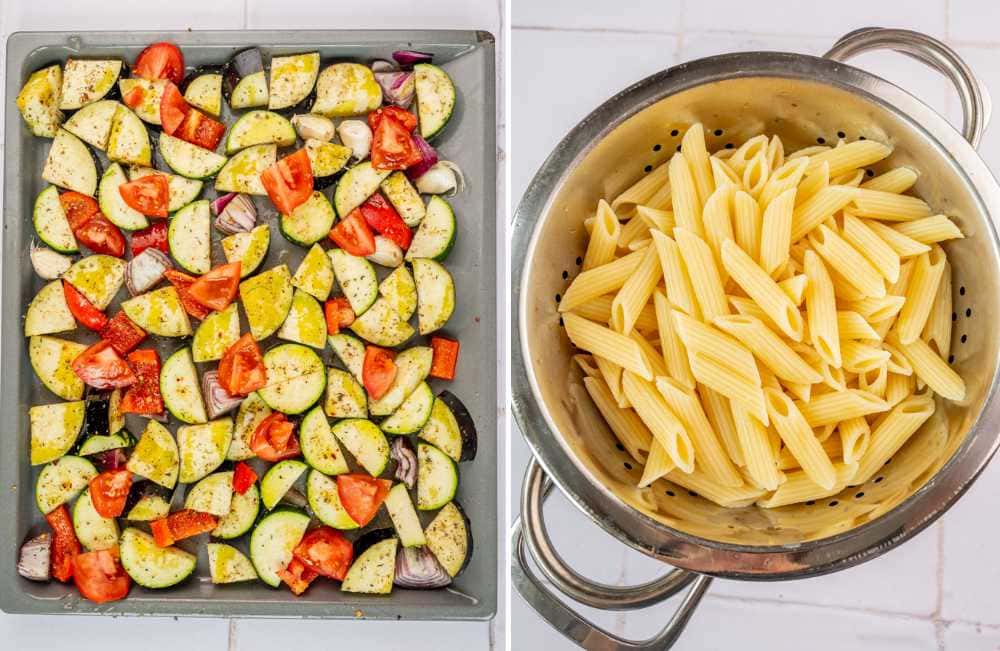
[[49, 264], [407, 58], [387, 253], [238, 214], [65, 545], [406, 460], [101, 236], [160, 61], [102, 368], [362, 495], [201, 130], [243, 478], [99, 576], [33, 561], [313, 125], [392, 143], [82, 309], [122, 333], [217, 288], [428, 158], [397, 86], [173, 109], [297, 576], [418, 568], [274, 439], [289, 182], [109, 491], [353, 235], [144, 396], [145, 270], [180, 525], [150, 195], [152, 237], [445, 358], [379, 371], [358, 136], [383, 218], [241, 370], [78, 208], [218, 401], [182, 282], [338, 314], [325, 551]]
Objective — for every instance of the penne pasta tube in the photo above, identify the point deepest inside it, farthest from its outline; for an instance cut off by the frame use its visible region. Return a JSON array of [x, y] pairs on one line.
[[814, 211], [718, 409], [747, 223], [848, 262], [800, 487], [612, 375], [674, 354], [783, 179], [769, 348], [937, 331], [776, 231], [599, 310], [675, 274], [599, 281], [756, 448], [634, 230], [722, 173], [930, 368], [661, 421], [905, 247], [892, 432], [699, 483], [898, 180], [798, 436], [821, 311], [795, 288], [920, 294], [762, 289], [703, 274], [657, 465], [653, 358], [876, 250], [719, 377], [929, 230], [848, 157], [898, 387], [840, 405], [684, 195], [718, 223], [606, 343], [747, 152], [755, 174], [831, 445], [693, 149], [634, 294], [888, 206], [775, 152], [604, 237], [852, 325], [626, 425], [812, 184], [861, 358], [641, 191], [855, 435], [654, 218]]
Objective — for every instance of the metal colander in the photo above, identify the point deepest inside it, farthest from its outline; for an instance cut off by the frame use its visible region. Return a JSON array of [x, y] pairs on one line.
[[804, 100]]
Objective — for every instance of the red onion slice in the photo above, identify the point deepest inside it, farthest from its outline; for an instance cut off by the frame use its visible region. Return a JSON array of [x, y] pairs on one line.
[[406, 461], [219, 204], [34, 560], [428, 158], [406, 58], [417, 567], [218, 401], [145, 270], [239, 216], [397, 87]]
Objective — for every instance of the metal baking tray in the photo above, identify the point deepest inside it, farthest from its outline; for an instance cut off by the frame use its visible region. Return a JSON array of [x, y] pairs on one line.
[[469, 140]]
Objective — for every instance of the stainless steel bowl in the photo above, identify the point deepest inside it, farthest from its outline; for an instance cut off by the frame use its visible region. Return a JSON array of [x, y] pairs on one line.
[[801, 98]]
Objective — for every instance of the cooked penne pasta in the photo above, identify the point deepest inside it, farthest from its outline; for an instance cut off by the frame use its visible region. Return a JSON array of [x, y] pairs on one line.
[[937, 331], [876, 250], [626, 425], [633, 231], [661, 421], [800, 487], [898, 387], [756, 449], [718, 223], [920, 294], [814, 211], [796, 433], [599, 310], [654, 218], [930, 368], [776, 231], [755, 174], [905, 247], [719, 377], [874, 380], [775, 153], [718, 409], [699, 483], [812, 184], [769, 348], [784, 178], [888, 206], [599, 281], [795, 288], [675, 274], [831, 445], [640, 192], [929, 230], [892, 432], [855, 435], [612, 375], [861, 358], [606, 343], [747, 223], [762, 289], [849, 156], [674, 355], [703, 274], [821, 311], [604, 237], [653, 357], [747, 152], [684, 195], [847, 261], [840, 405], [898, 180], [658, 464], [693, 149], [722, 173], [851, 325], [635, 293]]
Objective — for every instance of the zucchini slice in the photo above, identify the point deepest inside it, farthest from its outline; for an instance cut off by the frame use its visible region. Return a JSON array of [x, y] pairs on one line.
[[373, 571], [399, 289], [116, 417], [310, 222], [97, 277], [315, 274], [51, 223], [51, 359], [182, 190], [128, 141], [435, 98], [345, 90], [159, 312], [38, 101], [190, 237], [249, 248], [48, 313], [259, 128], [324, 500], [355, 186], [273, 540], [148, 108], [155, 456], [404, 517], [296, 378], [189, 160], [357, 279], [278, 479], [435, 237], [70, 164], [243, 510], [250, 91], [410, 416], [437, 477], [289, 362], [113, 205], [181, 390], [435, 295], [226, 564], [449, 540], [412, 367], [326, 158], [87, 80], [54, 429], [366, 442], [205, 92], [151, 505], [319, 446], [451, 429], [382, 325], [267, 298], [213, 494], [92, 123], [305, 323], [404, 198], [350, 351], [215, 334], [252, 411], [345, 398], [61, 480], [101, 443], [242, 172], [93, 529], [203, 448], [152, 566], [292, 79]]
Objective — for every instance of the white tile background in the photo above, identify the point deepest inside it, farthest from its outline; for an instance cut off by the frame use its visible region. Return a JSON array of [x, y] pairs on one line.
[[939, 591], [41, 633]]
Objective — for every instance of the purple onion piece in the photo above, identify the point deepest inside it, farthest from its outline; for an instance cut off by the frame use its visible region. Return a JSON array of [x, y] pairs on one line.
[[239, 216], [381, 65], [407, 58], [406, 461], [219, 204], [397, 87], [218, 401], [428, 157], [110, 459], [145, 270], [34, 560], [417, 567]]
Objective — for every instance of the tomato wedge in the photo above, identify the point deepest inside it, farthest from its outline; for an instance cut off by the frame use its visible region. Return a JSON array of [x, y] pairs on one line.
[[445, 358], [383, 218], [182, 282], [109, 490], [392, 142], [201, 130], [362, 495], [241, 369], [150, 195], [289, 182], [274, 439], [182, 524], [160, 61], [378, 371], [217, 289], [404, 117], [173, 109], [65, 545], [151, 237], [325, 551], [144, 396], [102, 368], [82, 309], [100, 577], [338, 314], [243, 477], [79, 208], [122, 333], [101, 236], [297, 576], [353, 235]]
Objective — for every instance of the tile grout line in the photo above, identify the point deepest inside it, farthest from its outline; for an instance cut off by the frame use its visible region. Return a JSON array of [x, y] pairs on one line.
[[773, 601], [232, 635]]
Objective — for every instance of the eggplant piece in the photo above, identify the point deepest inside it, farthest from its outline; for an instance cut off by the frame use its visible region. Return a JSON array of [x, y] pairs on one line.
[[418, 568], [406, 461], [369, 538], [35, 558], [96, 419], [150, 497], [206, 69], [243, 63], [466, 426], [110, 460]]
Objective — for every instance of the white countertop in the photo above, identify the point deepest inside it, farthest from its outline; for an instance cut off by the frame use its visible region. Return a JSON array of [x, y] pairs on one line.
[[88, 633], [940, 590]]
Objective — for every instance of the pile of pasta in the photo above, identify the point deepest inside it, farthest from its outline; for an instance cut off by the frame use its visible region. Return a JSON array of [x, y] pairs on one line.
[[765, 328]]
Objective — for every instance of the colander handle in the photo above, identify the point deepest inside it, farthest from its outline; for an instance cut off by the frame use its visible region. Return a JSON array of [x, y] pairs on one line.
[[530, 538], [976, 105]]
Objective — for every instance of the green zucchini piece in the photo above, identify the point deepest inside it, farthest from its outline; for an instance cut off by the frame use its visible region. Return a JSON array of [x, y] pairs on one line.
[[181, 389], [319, 446], [155, 456], [152, 566], [54, 429], [51, 359]]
